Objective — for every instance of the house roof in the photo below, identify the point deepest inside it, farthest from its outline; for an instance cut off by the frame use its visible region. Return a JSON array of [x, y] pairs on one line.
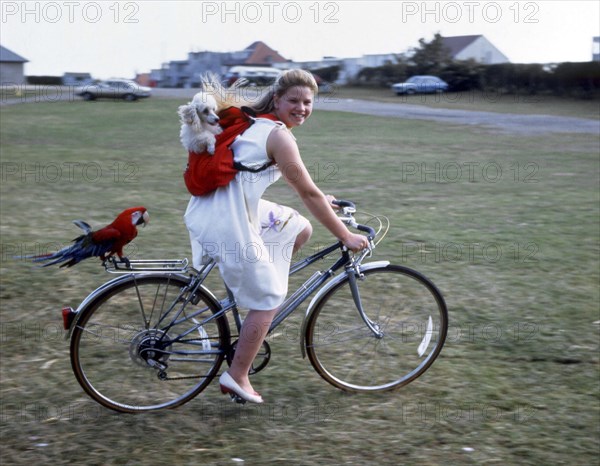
[[261, 54], [457, 43], [10, 56]]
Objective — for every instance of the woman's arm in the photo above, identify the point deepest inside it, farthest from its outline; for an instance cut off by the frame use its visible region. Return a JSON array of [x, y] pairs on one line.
[[282, 148]]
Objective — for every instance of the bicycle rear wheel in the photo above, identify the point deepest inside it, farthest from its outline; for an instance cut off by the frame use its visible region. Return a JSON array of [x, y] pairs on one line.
[[136, 347], [404, 306]]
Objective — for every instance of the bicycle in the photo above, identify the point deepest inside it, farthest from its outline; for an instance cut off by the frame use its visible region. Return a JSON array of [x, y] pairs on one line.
[[156, 336]]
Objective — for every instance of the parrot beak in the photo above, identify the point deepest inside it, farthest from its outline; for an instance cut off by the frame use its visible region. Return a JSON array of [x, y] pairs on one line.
[[145, 219], [138, 218]]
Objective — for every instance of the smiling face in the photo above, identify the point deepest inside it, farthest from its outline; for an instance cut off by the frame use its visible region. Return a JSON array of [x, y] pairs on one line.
[[294, 106]]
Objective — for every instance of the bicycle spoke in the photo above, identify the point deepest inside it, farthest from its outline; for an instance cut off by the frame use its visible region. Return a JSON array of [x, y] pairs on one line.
[[361, 331], [113, 335], [146, 322], [164, 298]]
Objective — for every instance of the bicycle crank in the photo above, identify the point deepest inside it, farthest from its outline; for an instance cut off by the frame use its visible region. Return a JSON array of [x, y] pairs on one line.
[[237, 399]]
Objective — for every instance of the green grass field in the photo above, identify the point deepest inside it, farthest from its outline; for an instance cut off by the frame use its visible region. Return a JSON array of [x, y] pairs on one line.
[[506, 225]]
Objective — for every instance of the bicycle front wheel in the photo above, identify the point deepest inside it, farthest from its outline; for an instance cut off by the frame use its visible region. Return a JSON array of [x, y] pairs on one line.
[[408, 323], [139, 347]]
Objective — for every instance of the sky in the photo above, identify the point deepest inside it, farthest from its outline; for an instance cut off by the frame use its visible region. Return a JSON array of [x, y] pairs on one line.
[[122, 38]]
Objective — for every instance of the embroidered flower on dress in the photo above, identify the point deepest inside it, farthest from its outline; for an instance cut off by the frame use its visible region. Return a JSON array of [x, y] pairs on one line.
[[274, 223]]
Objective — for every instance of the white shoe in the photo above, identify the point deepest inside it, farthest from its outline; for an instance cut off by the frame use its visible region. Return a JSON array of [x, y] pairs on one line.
[[228, 385]]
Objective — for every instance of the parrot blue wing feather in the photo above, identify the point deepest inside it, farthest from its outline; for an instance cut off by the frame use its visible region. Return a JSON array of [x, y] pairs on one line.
[[82, 248], [83, 225]]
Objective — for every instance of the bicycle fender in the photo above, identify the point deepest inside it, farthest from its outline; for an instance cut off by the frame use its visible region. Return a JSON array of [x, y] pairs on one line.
[[107, 287], [323, 291]]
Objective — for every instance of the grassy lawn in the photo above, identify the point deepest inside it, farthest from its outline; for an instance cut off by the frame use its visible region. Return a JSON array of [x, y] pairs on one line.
[[507, 227], [40, 92]]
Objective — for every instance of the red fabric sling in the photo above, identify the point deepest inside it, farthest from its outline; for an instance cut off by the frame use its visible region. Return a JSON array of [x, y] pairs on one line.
[[206, 172]]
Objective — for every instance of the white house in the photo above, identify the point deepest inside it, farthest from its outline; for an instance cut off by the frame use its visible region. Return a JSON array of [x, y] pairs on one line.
[[11, 67], [349, 67], [476, 48]]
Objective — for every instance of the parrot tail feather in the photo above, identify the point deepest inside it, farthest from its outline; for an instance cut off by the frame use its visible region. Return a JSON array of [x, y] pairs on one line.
[[83, 225]]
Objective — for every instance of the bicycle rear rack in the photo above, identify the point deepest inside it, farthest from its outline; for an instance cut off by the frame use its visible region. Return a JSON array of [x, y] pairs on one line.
[[147, 265]]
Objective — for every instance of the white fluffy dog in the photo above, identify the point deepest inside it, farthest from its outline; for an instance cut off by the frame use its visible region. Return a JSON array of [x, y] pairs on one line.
[[199, 123]]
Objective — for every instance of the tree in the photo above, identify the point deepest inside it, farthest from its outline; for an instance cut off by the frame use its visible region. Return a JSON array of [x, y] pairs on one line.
[[431, 57], [329, 73]]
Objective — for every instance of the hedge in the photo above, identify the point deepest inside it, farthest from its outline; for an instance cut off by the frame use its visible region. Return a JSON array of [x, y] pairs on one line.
[[565, 79], [50, 80]]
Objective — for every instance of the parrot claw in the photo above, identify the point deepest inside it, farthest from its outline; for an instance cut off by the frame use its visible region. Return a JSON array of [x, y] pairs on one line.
[[115, 263]]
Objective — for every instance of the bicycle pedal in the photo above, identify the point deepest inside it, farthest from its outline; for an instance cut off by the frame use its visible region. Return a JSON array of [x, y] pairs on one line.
[[237, 399]]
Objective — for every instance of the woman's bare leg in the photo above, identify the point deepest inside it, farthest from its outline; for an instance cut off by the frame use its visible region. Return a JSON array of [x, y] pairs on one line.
[[253, 333], [254, 330], [302, 238]]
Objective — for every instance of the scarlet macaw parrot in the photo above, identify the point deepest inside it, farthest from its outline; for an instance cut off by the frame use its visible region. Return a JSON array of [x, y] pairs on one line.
[[102, 243]]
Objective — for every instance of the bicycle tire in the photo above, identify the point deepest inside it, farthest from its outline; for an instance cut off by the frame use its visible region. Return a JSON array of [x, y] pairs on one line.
[[119, 335], [409, 310]]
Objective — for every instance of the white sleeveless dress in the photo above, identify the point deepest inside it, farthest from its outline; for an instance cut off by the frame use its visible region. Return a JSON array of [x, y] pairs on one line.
[[251, 239]]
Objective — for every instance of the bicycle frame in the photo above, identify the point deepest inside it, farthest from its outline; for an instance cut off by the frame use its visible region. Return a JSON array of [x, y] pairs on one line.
[[294, 300], [317, 280], [351, 264], [309, 286]]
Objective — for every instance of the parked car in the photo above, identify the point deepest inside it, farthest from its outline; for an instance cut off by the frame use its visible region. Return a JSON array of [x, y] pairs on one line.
[[113, 89], [254, 75], [420, 85], [324, 86]]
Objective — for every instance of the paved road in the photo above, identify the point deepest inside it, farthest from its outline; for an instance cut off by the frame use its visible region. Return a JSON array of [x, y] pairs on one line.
[[503, 122]]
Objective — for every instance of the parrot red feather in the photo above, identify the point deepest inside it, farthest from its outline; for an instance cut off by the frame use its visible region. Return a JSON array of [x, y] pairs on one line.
[[102, 243]]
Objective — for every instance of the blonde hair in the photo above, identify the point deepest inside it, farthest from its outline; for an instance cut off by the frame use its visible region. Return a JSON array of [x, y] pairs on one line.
[[225, 96], [234, 97], [287, 80]]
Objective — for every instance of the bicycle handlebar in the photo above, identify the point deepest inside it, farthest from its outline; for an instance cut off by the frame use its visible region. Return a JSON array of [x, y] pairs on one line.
[[349, 209], [343, 203], [367, 229]]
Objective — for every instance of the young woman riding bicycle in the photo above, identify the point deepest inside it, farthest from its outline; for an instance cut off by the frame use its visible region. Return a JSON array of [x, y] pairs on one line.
[[236, 215]]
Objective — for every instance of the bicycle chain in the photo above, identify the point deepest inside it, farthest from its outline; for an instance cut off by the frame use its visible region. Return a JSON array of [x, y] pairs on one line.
[[183, 377]]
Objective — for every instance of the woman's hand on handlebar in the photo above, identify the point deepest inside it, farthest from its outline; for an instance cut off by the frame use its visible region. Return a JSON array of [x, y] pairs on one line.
[[330, 199], [355, 242]]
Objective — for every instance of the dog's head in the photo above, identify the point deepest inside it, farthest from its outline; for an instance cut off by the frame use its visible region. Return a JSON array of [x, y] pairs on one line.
[[201, 112]]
